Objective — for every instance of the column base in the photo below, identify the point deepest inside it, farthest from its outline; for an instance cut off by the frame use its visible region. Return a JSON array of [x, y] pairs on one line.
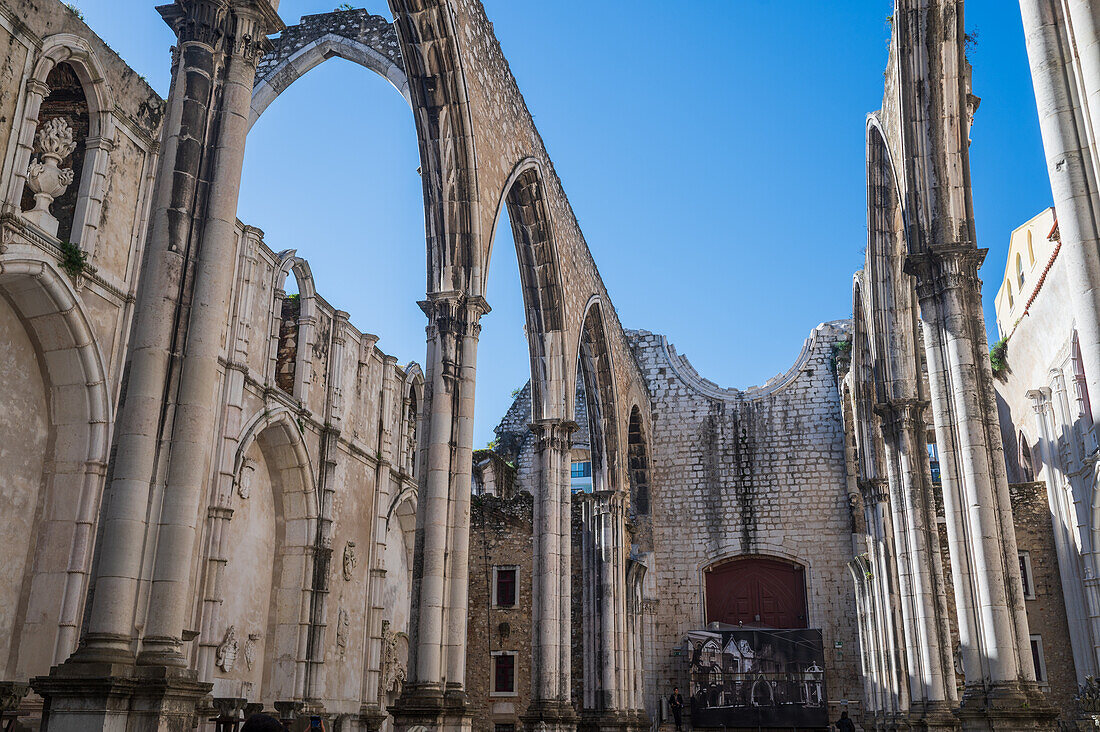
[[613, 720], [1016, 706], [371, 717], [549, 716], [106, 697], [933, 717], [426, 705]]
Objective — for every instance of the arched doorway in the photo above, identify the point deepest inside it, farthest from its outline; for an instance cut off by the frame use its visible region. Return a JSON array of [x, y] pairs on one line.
[[761, 592]]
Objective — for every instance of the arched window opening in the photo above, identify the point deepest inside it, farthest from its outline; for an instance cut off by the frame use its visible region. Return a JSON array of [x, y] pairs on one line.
[[412, 427], [286, 362], [53, 181], [754, 591], [638, 464], [1008, 290], [1020, 270], [1027, 467]]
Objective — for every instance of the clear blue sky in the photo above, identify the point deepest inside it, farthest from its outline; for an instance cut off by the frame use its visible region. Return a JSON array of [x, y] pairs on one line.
[[713, 152]]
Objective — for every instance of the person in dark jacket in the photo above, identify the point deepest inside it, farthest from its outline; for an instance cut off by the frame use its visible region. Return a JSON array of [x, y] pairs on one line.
[[262, 723], [844, 724], [676, 704]]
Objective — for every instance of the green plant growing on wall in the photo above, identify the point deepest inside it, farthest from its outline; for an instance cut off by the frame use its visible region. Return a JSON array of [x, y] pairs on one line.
[[75, 10], [343, 6], [73, 260], [998, 357]]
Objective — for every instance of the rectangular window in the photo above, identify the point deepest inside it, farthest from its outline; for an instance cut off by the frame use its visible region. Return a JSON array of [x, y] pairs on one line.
[[501, 727], [504, 586], [1038, 659], [582, 470], [504, 673], [1026, 577]]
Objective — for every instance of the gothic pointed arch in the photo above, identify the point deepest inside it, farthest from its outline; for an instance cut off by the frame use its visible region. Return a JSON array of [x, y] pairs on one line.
[[354, 35], [272, 514], [524, 196], [55, 464], [596, 377]]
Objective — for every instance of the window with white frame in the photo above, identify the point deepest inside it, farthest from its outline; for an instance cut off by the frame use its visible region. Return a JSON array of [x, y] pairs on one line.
[[504, 673], [1039, 659], [505, 586], [1026, 576]]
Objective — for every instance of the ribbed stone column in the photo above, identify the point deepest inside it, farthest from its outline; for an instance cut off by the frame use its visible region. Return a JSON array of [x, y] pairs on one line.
[[434, 695], [1000, 691], [550, 691], [138, 431], [191, 455], [371, 711], [921, 582], [1070, 162]]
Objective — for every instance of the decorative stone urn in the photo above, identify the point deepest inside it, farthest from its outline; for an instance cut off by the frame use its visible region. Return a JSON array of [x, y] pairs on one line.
[[45, 177]]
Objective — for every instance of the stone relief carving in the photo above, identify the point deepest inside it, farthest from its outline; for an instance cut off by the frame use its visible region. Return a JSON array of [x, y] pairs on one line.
[[46, 179], [226, 656], [250, 650], [393, 668], [244, 480], [343, 623], [350, 560]]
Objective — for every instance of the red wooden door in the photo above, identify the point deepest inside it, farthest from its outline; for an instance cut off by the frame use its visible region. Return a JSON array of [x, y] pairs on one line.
[[757, 592]]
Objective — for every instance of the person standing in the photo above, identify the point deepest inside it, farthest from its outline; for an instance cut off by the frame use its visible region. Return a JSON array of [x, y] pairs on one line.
[[844, 724], [676, 704]]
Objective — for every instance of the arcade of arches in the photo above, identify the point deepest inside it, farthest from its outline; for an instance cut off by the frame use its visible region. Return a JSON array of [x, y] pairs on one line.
[[223, 498]]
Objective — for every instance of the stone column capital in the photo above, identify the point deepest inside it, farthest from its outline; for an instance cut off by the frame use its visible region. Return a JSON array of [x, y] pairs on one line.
[[251, 22], [874, 490], [902, 414], [1040, 399], [196, 21], [553, 433], [452, 317], [947, 267], [34, 86]]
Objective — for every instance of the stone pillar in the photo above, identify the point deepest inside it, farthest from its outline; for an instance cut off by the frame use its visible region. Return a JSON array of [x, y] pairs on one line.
[[371, 711], [1000, 692], [550, 707], [1070, 161], [138, 431], [170, 603], [434, 695], [1083, 619], [920, 574]]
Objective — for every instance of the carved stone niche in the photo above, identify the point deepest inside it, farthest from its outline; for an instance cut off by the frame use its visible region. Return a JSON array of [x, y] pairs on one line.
[[45, 177]]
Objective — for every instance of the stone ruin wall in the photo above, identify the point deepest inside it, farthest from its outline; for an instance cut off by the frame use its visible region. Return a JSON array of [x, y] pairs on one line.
[[747, 472]]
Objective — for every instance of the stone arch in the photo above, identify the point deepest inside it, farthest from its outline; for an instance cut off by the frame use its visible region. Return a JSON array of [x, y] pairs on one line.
[[293, 370], [445, 131], [66, 503], [524, 196], [92, 185], [276, 439], [354, 35], [597, 375], [891, 320]]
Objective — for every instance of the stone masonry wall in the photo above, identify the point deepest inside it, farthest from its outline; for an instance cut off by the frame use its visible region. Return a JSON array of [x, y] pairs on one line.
[[747, 472], [500, 535]]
